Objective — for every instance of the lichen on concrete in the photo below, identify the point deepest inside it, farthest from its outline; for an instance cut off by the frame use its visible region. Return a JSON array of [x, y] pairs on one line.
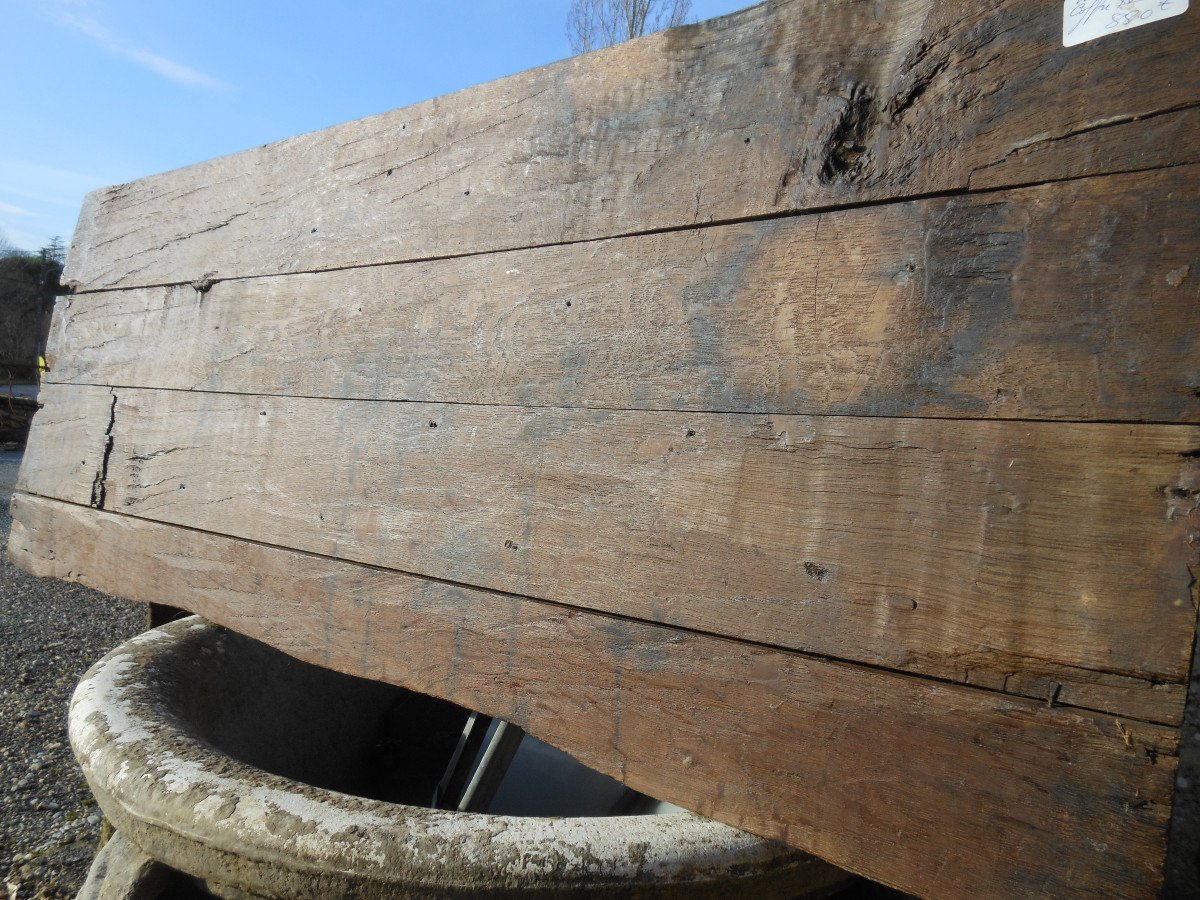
[[140, 726]]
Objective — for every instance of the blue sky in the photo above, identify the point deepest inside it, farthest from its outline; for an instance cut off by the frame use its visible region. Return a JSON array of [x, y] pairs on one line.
[[98, 92]]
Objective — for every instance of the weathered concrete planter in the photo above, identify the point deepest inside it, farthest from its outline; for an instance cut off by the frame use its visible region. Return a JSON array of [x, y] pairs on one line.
[[180, 731]]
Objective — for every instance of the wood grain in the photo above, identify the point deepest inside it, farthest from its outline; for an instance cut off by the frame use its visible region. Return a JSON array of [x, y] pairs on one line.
[[1160, 141], [782, 107], [953, 791], [1007, 554], [681, 406], [1069, 301]]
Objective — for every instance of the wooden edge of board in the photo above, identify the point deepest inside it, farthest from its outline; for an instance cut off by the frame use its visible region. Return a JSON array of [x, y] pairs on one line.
[[1044, 800], [1063, 302], [778, 108], [693, 524]]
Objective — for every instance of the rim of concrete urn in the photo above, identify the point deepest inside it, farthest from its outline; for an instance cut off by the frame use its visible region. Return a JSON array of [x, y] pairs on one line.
[[201, 811]]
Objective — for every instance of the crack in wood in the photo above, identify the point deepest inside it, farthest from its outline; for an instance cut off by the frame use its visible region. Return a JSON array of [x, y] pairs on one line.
[[99, 486]]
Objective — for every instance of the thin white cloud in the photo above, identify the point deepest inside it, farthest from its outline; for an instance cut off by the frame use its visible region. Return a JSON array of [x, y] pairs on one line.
[[19, 237], [51, 197], [46, 184], [174, 71], [36, 197]]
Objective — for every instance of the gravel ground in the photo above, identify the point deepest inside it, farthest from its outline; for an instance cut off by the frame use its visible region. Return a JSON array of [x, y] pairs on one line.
[[50, 632]]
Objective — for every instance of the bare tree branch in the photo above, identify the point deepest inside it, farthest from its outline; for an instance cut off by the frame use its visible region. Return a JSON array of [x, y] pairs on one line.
[[7, 248], [592, 24]]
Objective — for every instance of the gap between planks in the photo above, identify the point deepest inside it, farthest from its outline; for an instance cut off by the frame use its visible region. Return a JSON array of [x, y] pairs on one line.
[[683, 629], [622, 409]]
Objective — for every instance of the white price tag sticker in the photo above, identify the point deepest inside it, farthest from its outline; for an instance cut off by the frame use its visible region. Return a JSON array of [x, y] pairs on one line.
[[1086, 20]]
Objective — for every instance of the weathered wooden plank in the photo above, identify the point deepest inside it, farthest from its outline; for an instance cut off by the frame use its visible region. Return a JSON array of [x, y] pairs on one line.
[[782, 107], [1072, 300], [938, 789], [1169, 139], [1008, 554]]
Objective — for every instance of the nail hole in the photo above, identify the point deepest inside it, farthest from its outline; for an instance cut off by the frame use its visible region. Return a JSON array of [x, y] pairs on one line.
[[691, 432], [314, 231], [466, 193], [433, 424], [746, 141], [389, 171], [568, 303]]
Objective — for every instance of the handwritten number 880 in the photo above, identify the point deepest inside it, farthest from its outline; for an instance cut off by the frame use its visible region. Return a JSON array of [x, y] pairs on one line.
[[1124, 18]]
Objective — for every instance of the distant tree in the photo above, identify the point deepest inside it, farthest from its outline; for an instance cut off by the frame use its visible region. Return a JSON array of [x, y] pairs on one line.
[[28, 283], [8, 248], [592, 24], [54, 252]]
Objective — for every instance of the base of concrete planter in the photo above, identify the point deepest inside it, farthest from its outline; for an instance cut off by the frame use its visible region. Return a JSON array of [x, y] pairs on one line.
[[254, 773], [123, 872]]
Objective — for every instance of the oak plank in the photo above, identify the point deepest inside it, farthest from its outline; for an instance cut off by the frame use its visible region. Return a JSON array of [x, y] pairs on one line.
[[1069, 301], [953, 791], [782, 107], [964, 550], [1169, 139]]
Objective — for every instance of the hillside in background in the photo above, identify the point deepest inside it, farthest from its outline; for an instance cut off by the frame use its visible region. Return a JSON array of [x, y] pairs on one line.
[[28, 282]]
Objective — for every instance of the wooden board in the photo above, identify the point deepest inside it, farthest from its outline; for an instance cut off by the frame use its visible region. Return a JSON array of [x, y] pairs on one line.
[[782, 107], [934, 787], [977, 551], [794, 415], [1064, 301], [1157, 141]]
